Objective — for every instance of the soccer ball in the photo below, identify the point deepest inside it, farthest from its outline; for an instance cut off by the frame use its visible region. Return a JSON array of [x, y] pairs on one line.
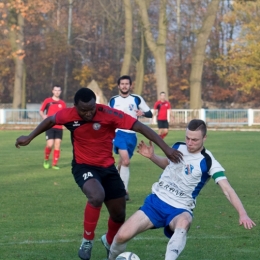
[[128, 256]]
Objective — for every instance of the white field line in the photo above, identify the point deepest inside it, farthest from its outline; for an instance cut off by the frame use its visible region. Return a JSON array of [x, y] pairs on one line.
[[74, 240]]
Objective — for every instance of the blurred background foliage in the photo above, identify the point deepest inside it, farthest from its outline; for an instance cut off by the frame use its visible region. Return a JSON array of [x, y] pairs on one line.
[[71, 42]]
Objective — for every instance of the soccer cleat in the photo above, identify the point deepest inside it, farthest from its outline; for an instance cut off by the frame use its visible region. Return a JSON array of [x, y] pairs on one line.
[[46, 164], [106, 245], [85, 250], [55, 167]]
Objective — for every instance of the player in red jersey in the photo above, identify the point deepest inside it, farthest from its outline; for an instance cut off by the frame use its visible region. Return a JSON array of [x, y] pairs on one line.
[[92, 128], [161, 108], [49, 107]]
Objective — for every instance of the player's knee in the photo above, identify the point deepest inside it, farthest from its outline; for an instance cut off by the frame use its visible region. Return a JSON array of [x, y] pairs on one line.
[[96, 201], [126, 162], [121, 236], [184, 222], [57, 147]]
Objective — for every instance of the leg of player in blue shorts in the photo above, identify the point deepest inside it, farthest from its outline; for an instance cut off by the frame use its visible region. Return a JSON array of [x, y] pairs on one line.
[[124, 145], [155, 214]]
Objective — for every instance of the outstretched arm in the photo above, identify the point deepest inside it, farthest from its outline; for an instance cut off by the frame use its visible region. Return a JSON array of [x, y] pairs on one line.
[[148, 152], [46, 124], [236, 202], [172, 154]]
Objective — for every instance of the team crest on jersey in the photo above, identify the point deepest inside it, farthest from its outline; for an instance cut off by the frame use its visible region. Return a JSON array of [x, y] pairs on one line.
[[131, 107], [76, 123], [188, 169], [60, 106], [96, 126]]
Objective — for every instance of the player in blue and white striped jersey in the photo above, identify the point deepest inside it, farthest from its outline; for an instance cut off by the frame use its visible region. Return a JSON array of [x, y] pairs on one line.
[[173, 197], [125, 140]]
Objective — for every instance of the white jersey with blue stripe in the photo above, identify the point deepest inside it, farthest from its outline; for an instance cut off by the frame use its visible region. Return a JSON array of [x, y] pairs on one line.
[[129, 105], [180, 184]]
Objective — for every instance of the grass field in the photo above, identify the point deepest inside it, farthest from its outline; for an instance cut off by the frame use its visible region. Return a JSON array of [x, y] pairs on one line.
[[41, 211]]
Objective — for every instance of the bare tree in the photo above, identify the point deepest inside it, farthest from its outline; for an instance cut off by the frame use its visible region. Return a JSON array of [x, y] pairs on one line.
[[128, 37], [158, 48], [198, 55], [16, 36], [140, 69], [67, 58]]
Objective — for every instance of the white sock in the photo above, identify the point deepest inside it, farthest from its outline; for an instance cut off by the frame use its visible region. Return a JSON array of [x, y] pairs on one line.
[[176, 244], [115, 250], [125, 175]]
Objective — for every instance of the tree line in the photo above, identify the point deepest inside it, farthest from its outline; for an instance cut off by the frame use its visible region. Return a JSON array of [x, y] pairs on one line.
[[196, 51]]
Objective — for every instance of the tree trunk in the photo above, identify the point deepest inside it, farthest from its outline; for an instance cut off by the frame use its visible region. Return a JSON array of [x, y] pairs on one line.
[[16, 36], [67, 58], [23, 98], [140, 70], [128, 38], [157, 48], [178, 40], [161, 73], [198, 55]]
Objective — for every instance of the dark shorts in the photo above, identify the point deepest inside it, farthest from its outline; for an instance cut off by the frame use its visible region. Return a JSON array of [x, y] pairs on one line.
[[160, 213], [108, 177], [162, 124], [54, 133]]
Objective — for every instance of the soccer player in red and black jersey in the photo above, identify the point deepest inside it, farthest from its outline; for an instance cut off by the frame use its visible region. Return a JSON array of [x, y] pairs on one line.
[[161, 108], [49, 107], [92, 128]]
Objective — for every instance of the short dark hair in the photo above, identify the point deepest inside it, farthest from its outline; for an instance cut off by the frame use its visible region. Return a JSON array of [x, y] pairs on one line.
[[197, 124], [162, 92], [124, 77], [56, 85], [85, 95]]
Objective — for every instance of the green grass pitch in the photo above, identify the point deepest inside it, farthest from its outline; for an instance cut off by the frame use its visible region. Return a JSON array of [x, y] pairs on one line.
[[41, 211]]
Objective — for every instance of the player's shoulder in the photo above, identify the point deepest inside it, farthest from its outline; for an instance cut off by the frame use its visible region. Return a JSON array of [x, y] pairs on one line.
[[157, 102], [105, 109], [113, 100], [179, 145], [135, 95], [62, 102], [206, 152], [109, 113], [48, 99], [115, 97], [137, 99], [67, 115], [67, 112]]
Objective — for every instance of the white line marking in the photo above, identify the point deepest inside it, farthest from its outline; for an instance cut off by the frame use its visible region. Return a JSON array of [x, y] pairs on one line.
[[75, 240]]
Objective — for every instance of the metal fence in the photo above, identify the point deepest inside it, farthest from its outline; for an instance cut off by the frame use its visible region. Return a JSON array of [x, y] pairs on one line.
[[218, 117]]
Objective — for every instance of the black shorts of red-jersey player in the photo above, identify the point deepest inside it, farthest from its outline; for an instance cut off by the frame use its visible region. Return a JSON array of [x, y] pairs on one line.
[[163, 124], [54, 133], [108, 176]]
